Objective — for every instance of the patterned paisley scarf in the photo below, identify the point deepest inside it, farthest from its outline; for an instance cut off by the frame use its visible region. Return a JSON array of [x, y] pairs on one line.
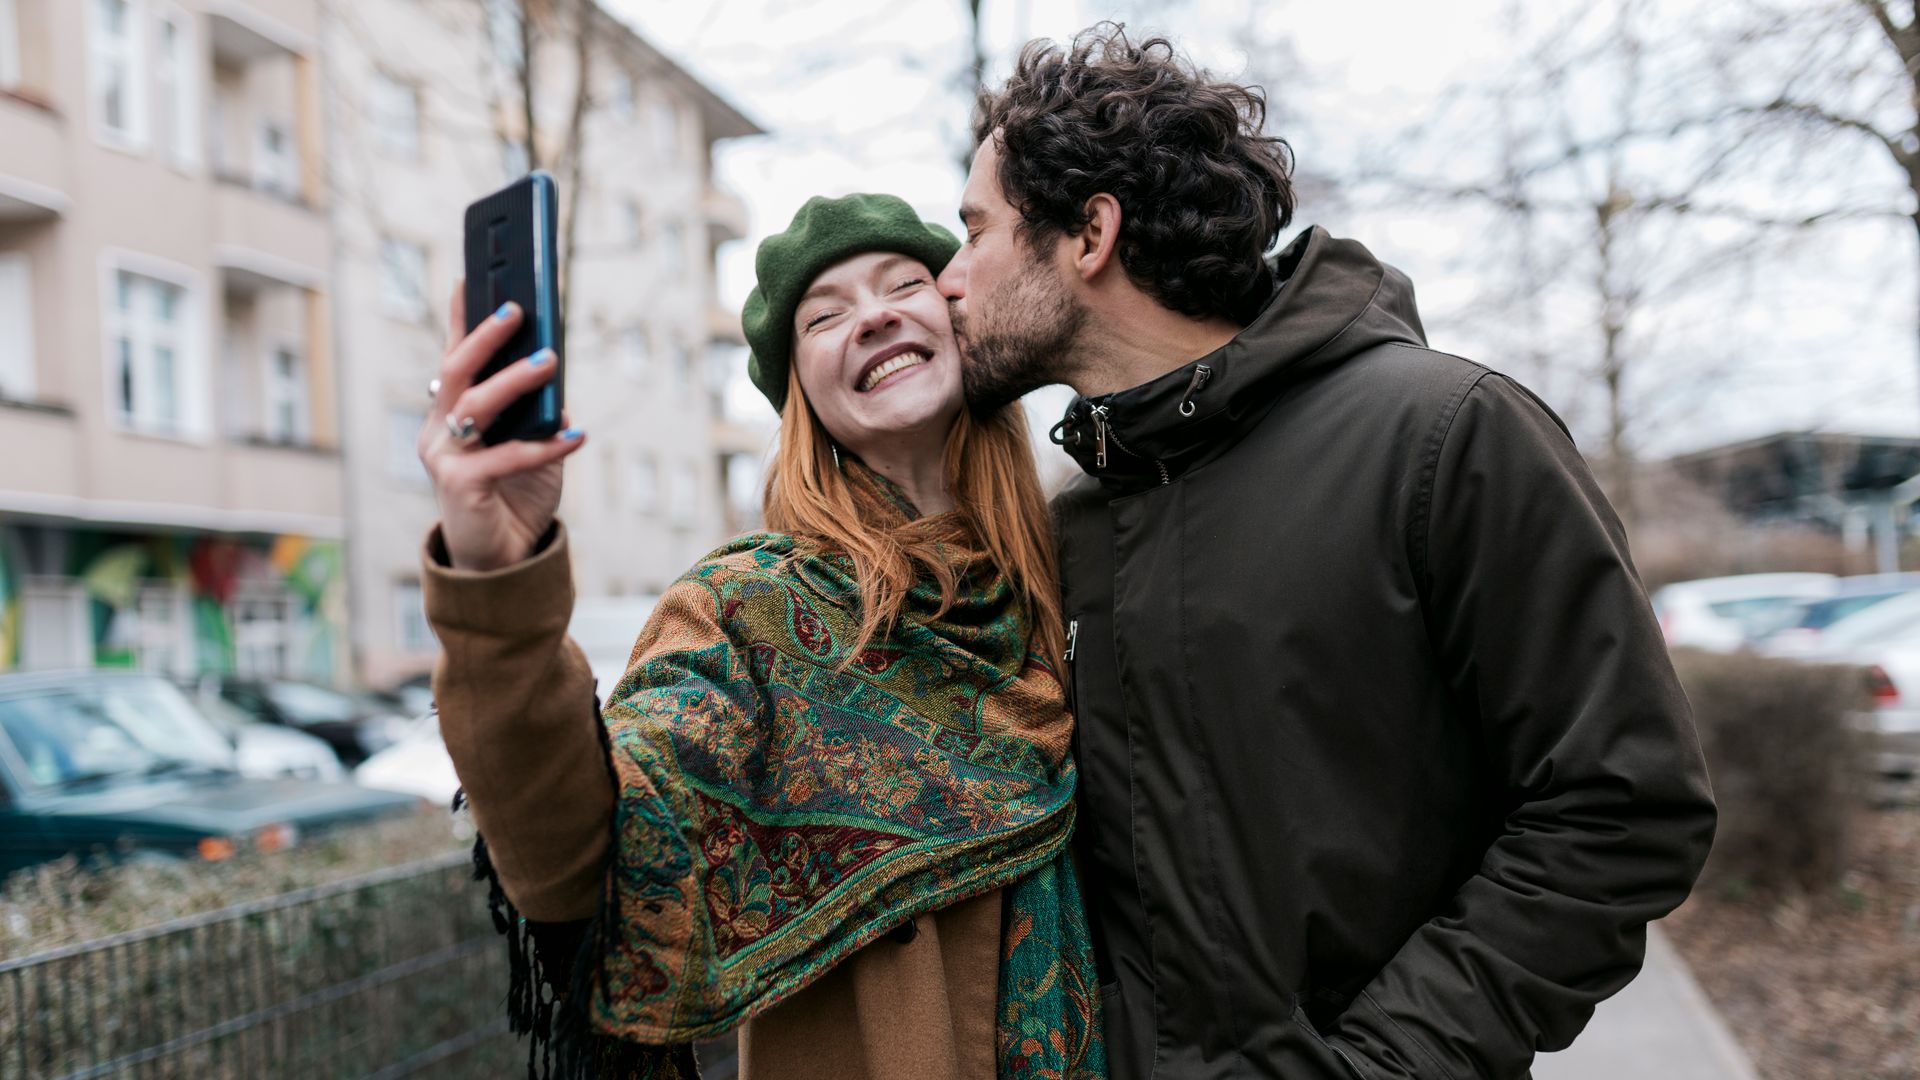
[[778, 809]]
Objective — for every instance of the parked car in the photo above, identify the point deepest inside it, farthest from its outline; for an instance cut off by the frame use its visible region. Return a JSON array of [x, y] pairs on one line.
[[411, 697], [1884, 639], [1725, 614], [267, 750], [122, 765], [1801, 633], [604, 628], [354, 726]]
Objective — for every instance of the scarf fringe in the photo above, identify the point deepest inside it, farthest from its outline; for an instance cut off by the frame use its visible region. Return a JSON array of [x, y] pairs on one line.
[[543, 957]]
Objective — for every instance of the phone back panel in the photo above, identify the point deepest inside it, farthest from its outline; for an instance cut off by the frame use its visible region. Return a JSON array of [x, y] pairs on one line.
[[511, 254]]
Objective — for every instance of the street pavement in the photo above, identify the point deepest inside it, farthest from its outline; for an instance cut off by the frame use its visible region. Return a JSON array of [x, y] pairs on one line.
[[1661, 1027]]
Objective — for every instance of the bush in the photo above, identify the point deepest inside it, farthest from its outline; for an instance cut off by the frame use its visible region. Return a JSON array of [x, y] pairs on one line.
[[1787, 766]]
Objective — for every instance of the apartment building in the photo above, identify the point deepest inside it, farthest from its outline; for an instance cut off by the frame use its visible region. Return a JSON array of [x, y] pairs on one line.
[[425, 103], [170, 470]]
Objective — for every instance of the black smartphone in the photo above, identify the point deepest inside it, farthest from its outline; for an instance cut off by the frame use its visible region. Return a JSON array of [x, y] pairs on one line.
[[512, 254]]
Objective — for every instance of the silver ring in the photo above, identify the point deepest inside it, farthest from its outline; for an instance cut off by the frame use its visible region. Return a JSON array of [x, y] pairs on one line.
[[462, 430], [433, 388]]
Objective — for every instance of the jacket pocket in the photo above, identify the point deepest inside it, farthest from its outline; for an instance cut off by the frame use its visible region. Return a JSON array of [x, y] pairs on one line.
[[1353, 1067]]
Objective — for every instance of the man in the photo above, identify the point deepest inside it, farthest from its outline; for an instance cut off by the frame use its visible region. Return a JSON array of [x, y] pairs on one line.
[[1384, 767]]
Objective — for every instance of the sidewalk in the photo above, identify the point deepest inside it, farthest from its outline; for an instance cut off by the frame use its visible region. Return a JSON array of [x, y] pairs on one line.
[[1661, 1027]]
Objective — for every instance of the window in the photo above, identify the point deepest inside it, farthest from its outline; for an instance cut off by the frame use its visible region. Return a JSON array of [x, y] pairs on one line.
[[676, 364], [160, 638], [263, 630], [286, 404], [620, 96], [394, 110], [9, 44], [673, 250], [56, 624], [415, 633], [404, 267], [644, 484], [683, 495], [403, 444], [147, 343], [663, 118], [274, 168], [116, 83], [633, 349], [17, 379], [178, 90], [632, 221]]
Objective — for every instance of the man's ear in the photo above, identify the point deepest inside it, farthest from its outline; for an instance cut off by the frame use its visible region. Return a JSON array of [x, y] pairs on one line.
[[1099, 239]]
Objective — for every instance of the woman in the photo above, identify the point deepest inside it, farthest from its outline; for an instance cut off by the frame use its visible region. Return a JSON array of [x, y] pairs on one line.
[[830, 799]]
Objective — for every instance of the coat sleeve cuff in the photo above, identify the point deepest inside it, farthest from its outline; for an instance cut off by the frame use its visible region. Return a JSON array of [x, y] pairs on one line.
[[532, 598]]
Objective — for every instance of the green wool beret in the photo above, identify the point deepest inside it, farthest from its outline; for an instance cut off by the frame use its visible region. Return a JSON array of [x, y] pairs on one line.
[[824, 232]]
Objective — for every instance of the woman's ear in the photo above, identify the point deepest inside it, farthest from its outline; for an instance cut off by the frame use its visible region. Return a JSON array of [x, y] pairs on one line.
[[1100, 238]]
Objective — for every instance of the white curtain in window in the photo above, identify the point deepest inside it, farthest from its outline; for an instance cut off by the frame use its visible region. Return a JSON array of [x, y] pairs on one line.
[[116, 77], [17, 379]]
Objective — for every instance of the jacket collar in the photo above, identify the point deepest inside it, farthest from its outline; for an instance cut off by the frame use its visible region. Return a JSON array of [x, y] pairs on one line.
[[1331, 301]]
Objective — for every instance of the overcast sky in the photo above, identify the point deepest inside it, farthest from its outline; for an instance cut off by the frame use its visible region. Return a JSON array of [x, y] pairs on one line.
[[862, 95]]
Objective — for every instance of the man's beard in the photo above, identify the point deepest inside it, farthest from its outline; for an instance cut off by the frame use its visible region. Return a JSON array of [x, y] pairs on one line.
[[1020, 337]]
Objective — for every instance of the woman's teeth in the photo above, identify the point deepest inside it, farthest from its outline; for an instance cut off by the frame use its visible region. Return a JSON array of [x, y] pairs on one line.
[[898, 363]]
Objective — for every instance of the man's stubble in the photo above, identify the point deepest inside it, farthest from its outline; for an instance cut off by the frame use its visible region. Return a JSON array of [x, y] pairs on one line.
[[1022, 336]]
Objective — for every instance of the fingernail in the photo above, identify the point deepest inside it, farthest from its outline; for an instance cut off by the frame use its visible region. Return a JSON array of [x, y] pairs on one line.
[[572, 433], [544, 356], [506, 309]]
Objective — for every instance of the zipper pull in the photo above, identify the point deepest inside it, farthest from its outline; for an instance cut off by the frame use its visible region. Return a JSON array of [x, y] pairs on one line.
[[1201, 373], [1100, 436], [1073, 638]]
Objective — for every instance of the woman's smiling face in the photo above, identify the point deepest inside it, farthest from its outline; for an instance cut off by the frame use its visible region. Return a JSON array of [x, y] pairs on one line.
[[875, 352]]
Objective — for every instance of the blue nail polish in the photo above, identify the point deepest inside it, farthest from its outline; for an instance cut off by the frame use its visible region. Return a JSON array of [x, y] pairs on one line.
[[541, 358], [505, 310], [572, 433]]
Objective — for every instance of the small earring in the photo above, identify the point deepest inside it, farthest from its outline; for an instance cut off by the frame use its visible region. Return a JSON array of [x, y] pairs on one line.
[[835, 447]]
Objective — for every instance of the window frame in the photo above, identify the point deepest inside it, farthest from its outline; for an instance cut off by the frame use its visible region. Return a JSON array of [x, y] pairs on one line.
[[135, 136], [19, 377], [291, 389], [177, 88], [10, 72], [192, 380]]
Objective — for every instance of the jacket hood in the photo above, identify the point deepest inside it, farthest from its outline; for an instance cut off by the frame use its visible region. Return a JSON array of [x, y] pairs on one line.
[[1332, 301]]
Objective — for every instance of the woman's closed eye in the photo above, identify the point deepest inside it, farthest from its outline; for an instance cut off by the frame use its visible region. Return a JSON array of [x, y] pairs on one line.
[[819, 317], [909, 283]]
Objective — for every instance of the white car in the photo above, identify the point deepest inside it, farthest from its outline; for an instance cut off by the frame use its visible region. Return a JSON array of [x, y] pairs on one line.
[[1725, 614], [605, 630], [1884, 639]]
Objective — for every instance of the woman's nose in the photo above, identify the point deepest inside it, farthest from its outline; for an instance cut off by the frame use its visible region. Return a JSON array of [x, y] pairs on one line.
[[875, 318]]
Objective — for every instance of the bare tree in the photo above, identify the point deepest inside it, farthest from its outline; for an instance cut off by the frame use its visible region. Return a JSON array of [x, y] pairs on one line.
[[1834, 78], [1620, 225]]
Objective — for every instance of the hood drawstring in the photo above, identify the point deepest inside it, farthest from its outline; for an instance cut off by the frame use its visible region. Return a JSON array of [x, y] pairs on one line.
[[1201, 373]]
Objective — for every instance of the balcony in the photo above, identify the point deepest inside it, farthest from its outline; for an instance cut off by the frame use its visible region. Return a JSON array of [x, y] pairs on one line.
[[726, 216], [33, 180], [268, 238]]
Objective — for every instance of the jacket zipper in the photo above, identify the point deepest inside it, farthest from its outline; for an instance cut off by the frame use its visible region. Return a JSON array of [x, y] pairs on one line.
[[1100, 433], [1073, 641]]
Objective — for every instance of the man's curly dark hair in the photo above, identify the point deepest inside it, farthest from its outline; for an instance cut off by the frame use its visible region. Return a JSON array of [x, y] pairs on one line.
[[1203, 192]]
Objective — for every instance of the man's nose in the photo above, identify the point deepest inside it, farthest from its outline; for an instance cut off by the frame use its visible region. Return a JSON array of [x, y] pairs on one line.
[[952, 281]]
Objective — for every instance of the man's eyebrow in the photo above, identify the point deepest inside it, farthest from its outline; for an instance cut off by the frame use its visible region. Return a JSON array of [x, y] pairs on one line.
[[969, 212]]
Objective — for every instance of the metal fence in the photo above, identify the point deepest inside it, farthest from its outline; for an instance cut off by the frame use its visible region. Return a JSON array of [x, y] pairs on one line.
[[396, 973], [392, 974]]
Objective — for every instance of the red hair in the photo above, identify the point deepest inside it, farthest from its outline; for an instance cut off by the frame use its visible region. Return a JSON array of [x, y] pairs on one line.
[[990, 472]]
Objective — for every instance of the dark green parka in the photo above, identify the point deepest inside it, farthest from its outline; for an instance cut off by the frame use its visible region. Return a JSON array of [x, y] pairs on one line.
[[1384, 766]]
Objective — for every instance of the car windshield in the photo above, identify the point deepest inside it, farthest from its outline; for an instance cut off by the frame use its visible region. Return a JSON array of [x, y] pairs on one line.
[[1756, 615], [162, 718], [1825, 613], [312, 704], [1883, 621], [61, 738]]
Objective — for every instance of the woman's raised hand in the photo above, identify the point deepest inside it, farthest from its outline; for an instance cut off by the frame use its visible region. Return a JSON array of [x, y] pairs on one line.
[[496, 502]]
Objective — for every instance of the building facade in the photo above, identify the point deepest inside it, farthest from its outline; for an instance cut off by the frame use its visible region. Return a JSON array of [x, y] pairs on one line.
[[426, 107], [170, 477]]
